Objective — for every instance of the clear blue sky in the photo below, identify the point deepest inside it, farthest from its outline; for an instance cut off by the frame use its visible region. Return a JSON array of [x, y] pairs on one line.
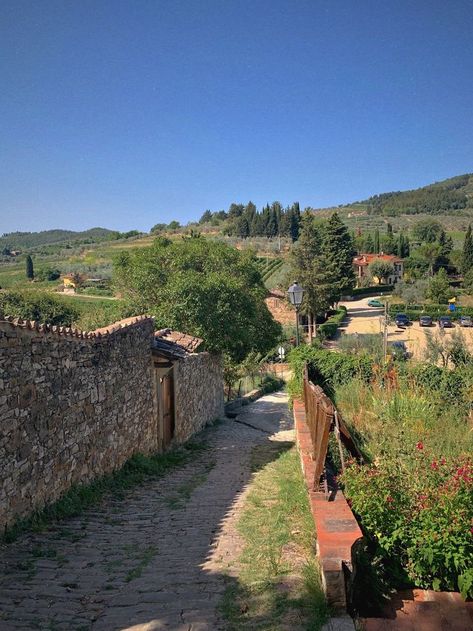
[[127, 113]]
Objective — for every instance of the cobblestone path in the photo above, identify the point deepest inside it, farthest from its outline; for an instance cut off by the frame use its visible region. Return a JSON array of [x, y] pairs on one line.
[[156, 559]]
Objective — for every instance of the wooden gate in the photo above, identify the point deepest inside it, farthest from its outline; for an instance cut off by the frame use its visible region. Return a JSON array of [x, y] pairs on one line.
[[166, 400]]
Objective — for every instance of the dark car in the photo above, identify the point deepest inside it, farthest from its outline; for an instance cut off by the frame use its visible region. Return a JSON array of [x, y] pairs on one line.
[[466, 321], [401, 319], [398, 350], [445, 322], [425, 321]]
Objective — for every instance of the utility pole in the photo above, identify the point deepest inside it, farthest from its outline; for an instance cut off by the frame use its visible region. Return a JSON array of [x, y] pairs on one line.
[[385, 332]]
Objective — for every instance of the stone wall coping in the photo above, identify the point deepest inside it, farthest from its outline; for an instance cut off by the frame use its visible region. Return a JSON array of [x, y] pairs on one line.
[[71, 332]]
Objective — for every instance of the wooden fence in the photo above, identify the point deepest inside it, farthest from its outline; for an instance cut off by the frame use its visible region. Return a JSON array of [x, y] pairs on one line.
[[322, 418]]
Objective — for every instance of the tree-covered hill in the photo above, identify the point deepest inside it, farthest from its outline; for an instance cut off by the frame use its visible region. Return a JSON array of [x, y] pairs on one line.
[[26, 240], [450, 196]]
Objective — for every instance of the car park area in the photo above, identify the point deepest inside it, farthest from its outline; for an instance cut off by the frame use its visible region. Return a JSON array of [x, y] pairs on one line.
[[364, 319]]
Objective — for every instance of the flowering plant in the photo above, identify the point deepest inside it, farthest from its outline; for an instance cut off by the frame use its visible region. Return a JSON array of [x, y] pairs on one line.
[[418, 509]]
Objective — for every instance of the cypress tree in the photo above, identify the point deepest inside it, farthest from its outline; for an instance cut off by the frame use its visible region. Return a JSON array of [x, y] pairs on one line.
[[368, 245], [467, 259], [29, 268], [376, 241], [295, 224], [338, 249], [390, 230]]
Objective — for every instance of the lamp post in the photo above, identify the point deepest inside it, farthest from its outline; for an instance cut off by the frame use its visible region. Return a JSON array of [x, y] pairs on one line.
[[296, 294]]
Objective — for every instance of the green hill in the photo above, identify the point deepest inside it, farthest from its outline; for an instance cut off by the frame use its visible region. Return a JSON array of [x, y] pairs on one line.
[[26, 240]]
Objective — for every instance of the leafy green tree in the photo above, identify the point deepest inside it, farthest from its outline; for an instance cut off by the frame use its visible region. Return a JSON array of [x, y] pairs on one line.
[[40, 306], [29, 268], [201, 287], [427, 230], [295, 222], [430, 254], [439, 289], [381, 270], [206, 217], [174, 225], [467, 259], [159, 227], [369, 245]]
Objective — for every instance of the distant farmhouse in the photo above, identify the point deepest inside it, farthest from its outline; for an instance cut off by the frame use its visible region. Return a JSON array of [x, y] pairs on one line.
[[361, 264]]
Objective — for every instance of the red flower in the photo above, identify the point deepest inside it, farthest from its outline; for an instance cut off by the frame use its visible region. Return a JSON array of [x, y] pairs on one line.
[[434, 465], [420, 445], [443, 461], [389, 499]]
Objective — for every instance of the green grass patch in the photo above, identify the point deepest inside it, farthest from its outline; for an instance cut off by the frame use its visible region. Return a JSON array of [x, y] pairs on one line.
[[78, 498], [279, 585]]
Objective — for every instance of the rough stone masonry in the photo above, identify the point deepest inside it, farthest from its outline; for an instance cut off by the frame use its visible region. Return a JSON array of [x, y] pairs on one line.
[[75, 406]]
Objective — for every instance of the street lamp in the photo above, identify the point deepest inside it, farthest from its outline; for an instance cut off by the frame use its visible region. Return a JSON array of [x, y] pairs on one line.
[[296, 293]]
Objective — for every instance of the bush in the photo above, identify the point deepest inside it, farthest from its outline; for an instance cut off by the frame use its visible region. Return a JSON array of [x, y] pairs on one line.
[[360, 292], [328, 330], [40, 306], [418, 512], [270, 383], [414, 312], [326, 369]]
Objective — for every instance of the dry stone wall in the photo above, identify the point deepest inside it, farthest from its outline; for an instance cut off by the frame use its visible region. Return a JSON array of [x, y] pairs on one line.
[[198, 393], [73, 406]]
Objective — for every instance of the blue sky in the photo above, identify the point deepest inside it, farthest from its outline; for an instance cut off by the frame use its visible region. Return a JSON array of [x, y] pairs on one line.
[[127, 113]]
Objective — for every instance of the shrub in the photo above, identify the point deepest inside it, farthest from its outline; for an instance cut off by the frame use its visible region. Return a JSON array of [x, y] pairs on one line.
[[328, 330], [40, 306], [418, 511]]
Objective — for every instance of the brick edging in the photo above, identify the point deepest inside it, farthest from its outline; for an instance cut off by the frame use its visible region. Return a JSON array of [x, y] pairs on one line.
[[336, 527]]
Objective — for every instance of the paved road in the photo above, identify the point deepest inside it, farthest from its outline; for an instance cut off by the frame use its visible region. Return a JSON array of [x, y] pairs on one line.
[[156, 559], [363, 319]]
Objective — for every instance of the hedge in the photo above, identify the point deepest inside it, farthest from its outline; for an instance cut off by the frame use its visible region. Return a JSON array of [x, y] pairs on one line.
[[414, 312], [360, 292], [328, 330]]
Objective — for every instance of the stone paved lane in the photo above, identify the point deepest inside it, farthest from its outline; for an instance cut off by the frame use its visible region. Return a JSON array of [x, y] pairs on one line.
[[154, 560]]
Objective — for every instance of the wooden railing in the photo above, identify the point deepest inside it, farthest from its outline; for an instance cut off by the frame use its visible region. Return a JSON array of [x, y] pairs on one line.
[[322, 417]]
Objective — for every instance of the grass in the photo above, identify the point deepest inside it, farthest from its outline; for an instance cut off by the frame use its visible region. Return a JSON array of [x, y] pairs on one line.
[[279, 585], [78, 498], [182, 494]]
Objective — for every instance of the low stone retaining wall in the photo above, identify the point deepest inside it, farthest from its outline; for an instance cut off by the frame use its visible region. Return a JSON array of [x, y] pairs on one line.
[[336, 527]]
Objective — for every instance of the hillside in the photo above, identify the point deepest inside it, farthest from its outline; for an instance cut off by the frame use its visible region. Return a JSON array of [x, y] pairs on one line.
[[25, 240]]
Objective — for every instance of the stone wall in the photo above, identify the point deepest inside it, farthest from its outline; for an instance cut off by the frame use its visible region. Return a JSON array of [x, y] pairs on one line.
[[198, 393], [73, 406]]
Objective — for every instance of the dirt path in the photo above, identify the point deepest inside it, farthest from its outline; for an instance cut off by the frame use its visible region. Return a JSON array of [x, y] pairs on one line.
[[155, 559]]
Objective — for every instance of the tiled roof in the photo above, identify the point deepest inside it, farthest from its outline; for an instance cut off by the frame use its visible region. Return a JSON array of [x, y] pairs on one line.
[[366, 259], [188, 343]]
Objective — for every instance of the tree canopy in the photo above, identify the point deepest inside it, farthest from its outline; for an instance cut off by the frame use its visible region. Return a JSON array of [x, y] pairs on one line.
[[201, 287]]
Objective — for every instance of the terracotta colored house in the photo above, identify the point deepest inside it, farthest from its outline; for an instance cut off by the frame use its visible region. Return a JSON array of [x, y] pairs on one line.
[[362, 262]]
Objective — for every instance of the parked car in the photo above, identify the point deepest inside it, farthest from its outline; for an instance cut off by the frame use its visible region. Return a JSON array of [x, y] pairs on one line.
[[445, 322], [465, 321], [425, 321], [375, 303], [399, 350], [401, 319]]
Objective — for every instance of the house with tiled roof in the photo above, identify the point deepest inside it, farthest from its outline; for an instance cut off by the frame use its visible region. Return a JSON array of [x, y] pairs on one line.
[[362, 262]]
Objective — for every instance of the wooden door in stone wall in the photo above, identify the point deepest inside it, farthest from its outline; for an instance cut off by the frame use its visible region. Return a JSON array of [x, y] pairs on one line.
[[167, 401]]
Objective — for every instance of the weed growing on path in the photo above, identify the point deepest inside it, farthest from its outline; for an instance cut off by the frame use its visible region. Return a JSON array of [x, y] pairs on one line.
[[279, 584], [135, 471]]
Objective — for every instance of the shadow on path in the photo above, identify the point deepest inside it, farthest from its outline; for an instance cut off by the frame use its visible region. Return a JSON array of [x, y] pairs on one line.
[[155, 558]]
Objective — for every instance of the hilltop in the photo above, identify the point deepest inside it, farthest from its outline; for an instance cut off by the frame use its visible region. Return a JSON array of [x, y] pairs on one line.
[[26, 240]]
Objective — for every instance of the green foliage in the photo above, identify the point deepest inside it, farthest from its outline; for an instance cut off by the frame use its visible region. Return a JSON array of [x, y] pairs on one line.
[[201, 287], [439, 288], [47, 274], [24, 240], [326, 369], [29, 268], [360, 292], [380, 269], [467, 258], [427, 230], [418, 510], [36, 305], [328, 330]]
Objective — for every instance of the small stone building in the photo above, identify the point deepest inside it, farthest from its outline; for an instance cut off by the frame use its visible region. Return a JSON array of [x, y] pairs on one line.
[[75, 405]]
